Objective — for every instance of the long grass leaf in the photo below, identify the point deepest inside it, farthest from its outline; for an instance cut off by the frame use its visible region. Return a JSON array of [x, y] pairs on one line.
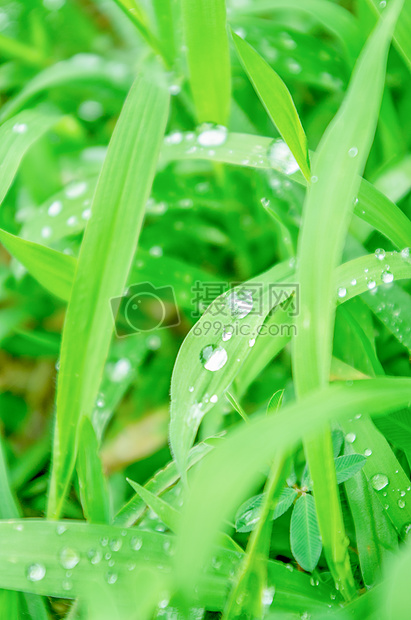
[[276, 99], [109, 241], [208, 58], [16, 137]]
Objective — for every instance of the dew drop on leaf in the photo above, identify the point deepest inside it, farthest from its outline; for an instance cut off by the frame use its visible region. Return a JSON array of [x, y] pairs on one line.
[[379, 481], [213, 357], [69, 558], [36, 572]]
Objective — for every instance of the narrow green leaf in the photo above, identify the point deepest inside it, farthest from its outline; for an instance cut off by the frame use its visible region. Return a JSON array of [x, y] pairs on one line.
[[340, 159], [109, 241], [348, 465], [305, 537], [16, 137], [208, 58], [93, 487], [54, 270], [276, 98], [402, 30]]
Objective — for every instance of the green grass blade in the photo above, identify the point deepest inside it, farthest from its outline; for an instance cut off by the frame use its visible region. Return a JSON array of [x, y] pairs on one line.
[[339, 161], [16, 136], [242, 457], [208, 58], [276, 99], [92, 483], [402, 30], [53, 270], [109, 241]]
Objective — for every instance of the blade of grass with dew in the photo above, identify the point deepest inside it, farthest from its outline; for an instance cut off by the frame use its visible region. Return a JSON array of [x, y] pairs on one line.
[[339, 161], [208, 58], [391, 304], [276, 99], [16, 136], [213, 498], [109, 241], [402, 29], [80, 68], [169, 515], [256, 152], [29, 550], [53, 270], [198, 381], [92, 484]]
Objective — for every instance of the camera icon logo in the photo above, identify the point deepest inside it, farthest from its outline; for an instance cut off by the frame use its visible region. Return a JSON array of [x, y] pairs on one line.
[[144, 308]]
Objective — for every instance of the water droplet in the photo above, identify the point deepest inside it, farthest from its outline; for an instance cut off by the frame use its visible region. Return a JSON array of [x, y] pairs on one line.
[[212, 135], [75, 190], [191, 388], [111, 577], [281, 158], [136, 543], [353, 152], [90, 110], [383, 4], [214, 398], [380, 254], [213, 357], [67, 585], [72, 220], [314, 179], [405, 253], [379, 481], [156, 250], [367, 452], [267, 596], [251, 342], [240, 303], [100, 402], [174, 89], [353, 282], [293, 66], [174, 138], [387, 277], [55, 208], [371, 284], [265, 202], [226, 335], [60, 529], [36, 572], [120, 370], [342, 292], [401, 503], [46, 232], [115, 544], [86, 214], [69, 558], [20, 128], [350, 437], [94, 555]]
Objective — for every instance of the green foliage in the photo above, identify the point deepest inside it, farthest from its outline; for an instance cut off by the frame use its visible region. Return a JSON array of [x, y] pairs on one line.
[[205, 309]]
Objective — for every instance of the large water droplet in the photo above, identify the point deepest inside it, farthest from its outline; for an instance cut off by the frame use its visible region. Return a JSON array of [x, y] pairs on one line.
[[136, 543], [212, 135], [380, 254], [387, 277], [350, 437], [353, 152], [69, 558], [36, 572], [281, 158], [379, 481], [342, 292], [213, 357], [240, 303], [55, 208]]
